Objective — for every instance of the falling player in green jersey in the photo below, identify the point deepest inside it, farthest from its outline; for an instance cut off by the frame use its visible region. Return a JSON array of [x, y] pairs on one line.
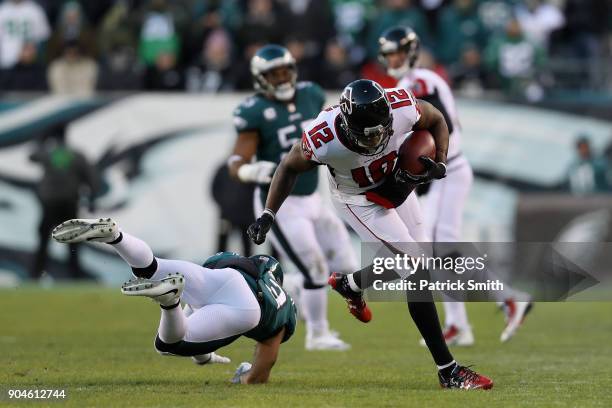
[[228, 297]]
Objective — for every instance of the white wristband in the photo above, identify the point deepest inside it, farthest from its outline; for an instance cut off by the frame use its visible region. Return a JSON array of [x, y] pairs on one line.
[[234, 158], [269, 212]]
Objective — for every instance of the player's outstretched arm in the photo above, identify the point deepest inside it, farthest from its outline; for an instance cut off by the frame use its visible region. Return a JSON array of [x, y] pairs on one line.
[[285, 176], [433, 121], [266, 353], [283, 181]]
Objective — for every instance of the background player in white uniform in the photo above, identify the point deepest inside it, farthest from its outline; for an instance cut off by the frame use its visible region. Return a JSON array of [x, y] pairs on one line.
[[230, 296], [358, 141], [307, 232], [445, 200]]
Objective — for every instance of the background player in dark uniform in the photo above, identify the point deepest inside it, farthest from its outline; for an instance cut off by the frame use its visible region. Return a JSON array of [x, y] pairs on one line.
[[66, 173]]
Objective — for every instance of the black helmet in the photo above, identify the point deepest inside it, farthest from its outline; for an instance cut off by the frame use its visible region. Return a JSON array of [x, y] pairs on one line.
[[399, 39], [366, 116], [267, 58]]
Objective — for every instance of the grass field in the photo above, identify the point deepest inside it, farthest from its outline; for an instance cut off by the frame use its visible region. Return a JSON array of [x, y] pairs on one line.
[[98, 345]]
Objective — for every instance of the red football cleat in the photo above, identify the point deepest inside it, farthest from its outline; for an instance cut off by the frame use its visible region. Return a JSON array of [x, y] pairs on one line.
[[357, 306], [466, 379], [515, 315]]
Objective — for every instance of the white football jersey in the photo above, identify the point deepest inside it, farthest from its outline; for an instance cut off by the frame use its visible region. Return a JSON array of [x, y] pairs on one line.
[[426, 84], [350, 173], [19, 23]]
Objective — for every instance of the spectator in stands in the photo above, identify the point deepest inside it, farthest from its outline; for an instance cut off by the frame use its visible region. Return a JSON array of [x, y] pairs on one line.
[[468, 74], [73, 73], [459, 28], [351, 20], [159, 46], [336, 71], [50, 7], [587, 24], [432, 9], [495, 14], [394, 13], [24, 29], [208, 16], [308, 65], [310, 22], [516, 62], [213, 70], [65, 173], [261, 24], [244, 78], [117, 42], [587, 174], [72, 26], [538, 19], [95, 11]]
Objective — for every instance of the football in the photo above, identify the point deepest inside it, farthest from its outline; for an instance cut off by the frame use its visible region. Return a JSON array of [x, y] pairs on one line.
[[419, 143]]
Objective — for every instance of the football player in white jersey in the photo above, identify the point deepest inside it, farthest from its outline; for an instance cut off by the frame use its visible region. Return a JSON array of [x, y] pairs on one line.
[[358, 141], [445, 200]]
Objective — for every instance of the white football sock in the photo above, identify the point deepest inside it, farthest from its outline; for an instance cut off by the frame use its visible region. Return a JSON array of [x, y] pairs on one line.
[[352, 284], [314, 305], [134, 251], [172, 325], [442, 367], [456, 315]]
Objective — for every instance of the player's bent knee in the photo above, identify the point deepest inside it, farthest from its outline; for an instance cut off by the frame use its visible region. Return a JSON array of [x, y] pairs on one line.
[[317, 270]]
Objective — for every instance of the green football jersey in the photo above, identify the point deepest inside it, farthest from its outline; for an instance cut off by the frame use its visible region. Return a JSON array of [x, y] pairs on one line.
[[280, 125], [277, 308]]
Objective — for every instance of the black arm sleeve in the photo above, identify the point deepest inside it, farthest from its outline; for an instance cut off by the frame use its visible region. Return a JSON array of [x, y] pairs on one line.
[[435, 100]]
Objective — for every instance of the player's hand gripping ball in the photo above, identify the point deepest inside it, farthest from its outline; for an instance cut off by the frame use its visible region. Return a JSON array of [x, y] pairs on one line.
[[416, 163]]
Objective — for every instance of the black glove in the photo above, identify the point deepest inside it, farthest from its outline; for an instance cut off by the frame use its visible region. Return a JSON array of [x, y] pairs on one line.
[[390, 194], [433, 170], [257, 231]]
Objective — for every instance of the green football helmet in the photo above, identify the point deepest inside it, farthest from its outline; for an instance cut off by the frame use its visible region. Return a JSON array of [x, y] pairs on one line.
[[267, 58], [266, 263]]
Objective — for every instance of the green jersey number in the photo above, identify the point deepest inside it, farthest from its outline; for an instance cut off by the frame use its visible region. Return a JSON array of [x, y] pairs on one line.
[[288, 135], [277, 292]]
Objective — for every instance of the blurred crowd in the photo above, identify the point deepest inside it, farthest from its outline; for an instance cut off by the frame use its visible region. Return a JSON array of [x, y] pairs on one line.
[[77, 47]]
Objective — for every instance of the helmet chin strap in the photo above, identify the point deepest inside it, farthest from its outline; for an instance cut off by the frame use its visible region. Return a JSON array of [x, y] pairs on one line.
[[399, 73]]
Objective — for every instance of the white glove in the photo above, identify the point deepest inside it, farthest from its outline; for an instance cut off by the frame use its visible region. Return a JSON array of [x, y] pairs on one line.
[[259, 172], [243, 368], [210, 358]]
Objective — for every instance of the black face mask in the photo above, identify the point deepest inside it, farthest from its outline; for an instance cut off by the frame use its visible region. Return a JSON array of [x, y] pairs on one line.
[[370, 140]]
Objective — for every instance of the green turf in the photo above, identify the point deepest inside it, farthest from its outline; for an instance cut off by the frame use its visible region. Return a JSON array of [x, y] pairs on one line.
[[99, 346]]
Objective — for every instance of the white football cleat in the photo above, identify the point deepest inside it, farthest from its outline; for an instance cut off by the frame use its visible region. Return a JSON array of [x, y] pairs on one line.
[[210, 358], [515, 314], [167, 291], [242, 369], [454, 336], [83, 230], [325, 341]]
